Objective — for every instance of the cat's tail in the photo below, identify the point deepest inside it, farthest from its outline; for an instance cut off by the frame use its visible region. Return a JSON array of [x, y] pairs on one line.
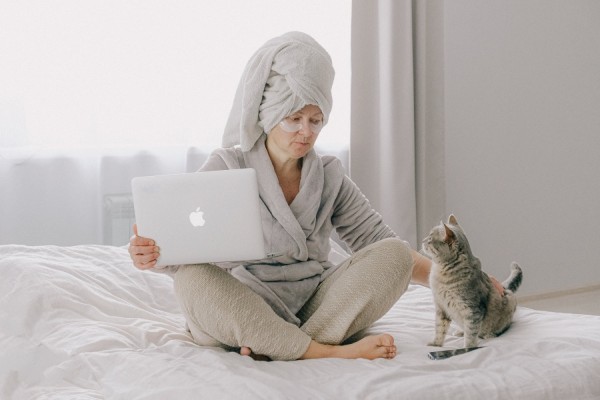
[[514, 280]]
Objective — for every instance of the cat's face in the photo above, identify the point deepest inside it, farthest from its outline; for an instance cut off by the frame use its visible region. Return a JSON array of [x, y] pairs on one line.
[[446, 241]]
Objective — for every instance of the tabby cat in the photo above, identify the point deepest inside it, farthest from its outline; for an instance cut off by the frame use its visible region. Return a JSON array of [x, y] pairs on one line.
[[463, 293]]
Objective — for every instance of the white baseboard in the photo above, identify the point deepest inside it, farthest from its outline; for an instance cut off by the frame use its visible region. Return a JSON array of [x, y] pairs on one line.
[[559, 293]]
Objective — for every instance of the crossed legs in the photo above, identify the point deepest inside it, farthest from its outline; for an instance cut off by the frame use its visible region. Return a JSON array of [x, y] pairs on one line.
[[222, 311]]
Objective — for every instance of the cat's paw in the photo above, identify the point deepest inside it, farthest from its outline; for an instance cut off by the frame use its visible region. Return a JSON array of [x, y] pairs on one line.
[[435, 344]]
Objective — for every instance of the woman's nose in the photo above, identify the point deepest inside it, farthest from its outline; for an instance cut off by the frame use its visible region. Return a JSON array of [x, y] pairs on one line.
[[306, 128]]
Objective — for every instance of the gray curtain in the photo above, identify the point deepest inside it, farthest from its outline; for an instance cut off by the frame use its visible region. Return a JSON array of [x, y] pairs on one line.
[[397, 122]]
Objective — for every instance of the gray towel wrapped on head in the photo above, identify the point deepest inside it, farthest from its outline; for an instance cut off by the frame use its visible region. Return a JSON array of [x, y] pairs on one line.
[[284, 75]]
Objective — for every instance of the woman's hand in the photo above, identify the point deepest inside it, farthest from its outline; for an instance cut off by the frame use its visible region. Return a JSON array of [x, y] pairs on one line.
[[143, 251], [497, 285]]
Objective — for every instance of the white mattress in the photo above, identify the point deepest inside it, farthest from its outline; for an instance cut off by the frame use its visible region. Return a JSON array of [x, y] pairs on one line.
[[82, 323]]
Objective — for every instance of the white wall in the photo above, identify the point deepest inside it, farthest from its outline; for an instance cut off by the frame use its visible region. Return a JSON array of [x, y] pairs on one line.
[[523, 136]]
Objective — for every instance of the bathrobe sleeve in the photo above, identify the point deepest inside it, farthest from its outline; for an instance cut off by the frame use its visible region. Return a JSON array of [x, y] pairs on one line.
[[221, 159], [355, 221]]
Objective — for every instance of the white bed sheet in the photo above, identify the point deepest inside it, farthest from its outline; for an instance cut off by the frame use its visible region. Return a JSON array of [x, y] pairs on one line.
[[81, 323]]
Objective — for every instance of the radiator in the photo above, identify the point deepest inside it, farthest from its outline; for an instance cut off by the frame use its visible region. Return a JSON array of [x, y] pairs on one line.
[[118, 218]]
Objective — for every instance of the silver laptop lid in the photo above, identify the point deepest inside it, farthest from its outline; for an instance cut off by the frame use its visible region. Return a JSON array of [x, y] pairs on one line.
[[201, 217]]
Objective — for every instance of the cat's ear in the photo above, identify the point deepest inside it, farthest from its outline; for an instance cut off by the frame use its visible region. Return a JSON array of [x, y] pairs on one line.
[[452, 220], [449, 237]]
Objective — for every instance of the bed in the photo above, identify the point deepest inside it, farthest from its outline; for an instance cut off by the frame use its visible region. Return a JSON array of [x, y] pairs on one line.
[[81, 323]]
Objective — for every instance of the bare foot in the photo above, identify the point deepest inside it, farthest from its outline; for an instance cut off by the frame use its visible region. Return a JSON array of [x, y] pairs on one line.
[[247, 351], [370, 347]]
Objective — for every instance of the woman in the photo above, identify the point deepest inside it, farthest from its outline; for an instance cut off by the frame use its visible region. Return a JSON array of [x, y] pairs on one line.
[[296, 304]]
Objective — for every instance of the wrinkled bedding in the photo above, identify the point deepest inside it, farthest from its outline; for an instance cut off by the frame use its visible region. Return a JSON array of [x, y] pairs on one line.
[[81, 323]]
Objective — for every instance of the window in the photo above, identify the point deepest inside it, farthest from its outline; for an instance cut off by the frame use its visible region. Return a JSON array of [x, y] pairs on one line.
[[128, 73]]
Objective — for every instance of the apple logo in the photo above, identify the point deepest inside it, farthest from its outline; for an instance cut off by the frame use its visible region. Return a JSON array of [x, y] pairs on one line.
[[197, 217]]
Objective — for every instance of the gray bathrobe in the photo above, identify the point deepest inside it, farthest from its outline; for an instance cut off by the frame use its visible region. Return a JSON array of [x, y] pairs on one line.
[[297, 235]]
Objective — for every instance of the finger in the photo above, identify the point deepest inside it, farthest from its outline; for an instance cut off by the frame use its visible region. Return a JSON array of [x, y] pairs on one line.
[[137, 240], [146, 258], [141, 241], [142, 266], [145, 261], [143, 250], [497, 285], [135, 234]]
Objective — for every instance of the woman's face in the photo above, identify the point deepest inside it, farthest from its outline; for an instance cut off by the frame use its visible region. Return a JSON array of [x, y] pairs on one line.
[[297, 133]]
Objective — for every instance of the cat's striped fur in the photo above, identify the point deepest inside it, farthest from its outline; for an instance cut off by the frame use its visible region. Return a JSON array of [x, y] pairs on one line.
[[463, 293]]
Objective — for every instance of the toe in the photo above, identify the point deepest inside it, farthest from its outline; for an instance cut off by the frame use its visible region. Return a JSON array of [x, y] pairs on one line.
[[245, 351], [386, 340]]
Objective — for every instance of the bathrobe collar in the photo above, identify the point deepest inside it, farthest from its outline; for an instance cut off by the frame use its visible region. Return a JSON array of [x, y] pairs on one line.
[[299, 218]]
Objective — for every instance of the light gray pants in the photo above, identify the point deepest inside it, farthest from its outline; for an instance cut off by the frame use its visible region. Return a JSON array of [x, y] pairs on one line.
[[221, 311]]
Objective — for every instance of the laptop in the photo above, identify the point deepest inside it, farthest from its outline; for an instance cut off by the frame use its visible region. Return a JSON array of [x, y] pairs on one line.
[[200, 217]]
